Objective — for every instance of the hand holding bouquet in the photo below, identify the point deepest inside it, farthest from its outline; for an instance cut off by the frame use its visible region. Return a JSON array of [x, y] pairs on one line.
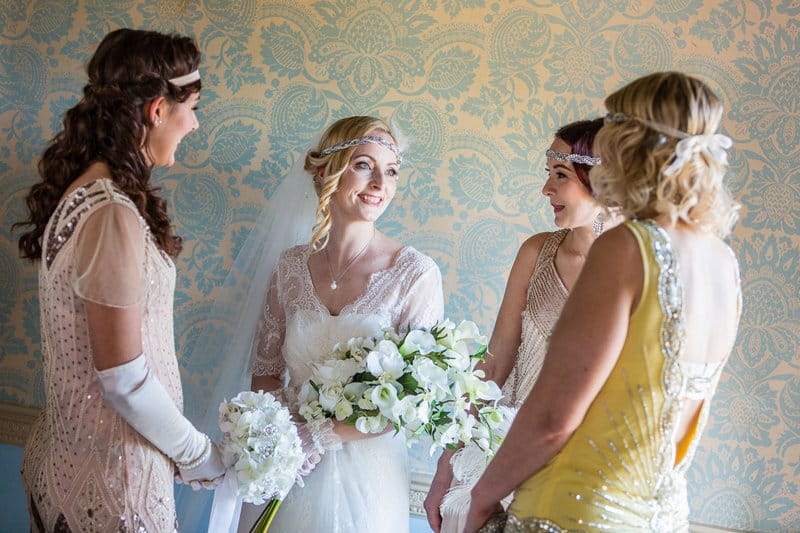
[[263, 453], [423, 382]]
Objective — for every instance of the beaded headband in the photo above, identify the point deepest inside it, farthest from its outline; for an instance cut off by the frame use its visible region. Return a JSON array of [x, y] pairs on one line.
[[716, 143], [573, 158], [364, 140], [186, 79]]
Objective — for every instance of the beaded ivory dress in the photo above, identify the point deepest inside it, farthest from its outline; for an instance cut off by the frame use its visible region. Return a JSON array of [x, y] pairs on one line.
[[85, 468], [621, 470], [546, 297], [364, 486]]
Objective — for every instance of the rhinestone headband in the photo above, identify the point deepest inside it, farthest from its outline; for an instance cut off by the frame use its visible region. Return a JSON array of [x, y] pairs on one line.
[[364, 140], [573, 158], [186, 79], [715, 143]]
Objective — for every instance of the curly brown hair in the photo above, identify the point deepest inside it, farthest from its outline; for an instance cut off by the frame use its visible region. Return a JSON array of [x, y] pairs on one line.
[[129, 69]]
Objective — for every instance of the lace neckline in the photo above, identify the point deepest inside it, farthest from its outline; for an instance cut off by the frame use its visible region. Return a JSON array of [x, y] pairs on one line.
[[371, 281]]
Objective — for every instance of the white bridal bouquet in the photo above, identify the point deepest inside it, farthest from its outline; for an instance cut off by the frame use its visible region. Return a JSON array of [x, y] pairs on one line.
[[423, 382], [262, 451]]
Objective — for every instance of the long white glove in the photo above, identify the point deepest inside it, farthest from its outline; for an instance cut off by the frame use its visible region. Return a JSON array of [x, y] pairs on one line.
[[140, 398]]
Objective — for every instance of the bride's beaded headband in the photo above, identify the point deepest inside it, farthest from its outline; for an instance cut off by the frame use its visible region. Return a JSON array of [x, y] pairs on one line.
[[186, 79], [573, 158], [716, 143], [364, 140]]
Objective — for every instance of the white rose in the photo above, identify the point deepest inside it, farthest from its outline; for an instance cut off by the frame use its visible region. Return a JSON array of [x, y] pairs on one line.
[[329, 396], [343, 409]]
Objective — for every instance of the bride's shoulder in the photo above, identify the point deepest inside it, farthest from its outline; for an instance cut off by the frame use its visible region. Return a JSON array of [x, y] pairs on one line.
[[296, 255], [413, 261]]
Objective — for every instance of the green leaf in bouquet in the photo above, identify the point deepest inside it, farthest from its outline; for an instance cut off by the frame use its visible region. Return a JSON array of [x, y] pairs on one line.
[[481, 353], [410, 385], [363, 377]]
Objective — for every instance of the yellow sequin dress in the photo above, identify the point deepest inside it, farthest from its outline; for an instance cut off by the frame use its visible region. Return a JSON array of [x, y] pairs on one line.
[[620, 470]]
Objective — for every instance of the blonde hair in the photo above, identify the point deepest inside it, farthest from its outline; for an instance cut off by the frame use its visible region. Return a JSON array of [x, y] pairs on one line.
[[635, 155], [333, 166]]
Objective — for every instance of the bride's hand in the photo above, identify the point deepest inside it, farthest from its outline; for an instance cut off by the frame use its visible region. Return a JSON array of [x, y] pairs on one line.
[[439, 487]]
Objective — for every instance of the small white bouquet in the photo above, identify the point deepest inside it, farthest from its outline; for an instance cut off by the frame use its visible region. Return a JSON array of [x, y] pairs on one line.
[[262, 451], [423, 382]]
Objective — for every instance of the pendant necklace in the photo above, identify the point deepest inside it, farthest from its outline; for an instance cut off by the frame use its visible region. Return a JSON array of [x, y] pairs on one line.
[[334, 279]]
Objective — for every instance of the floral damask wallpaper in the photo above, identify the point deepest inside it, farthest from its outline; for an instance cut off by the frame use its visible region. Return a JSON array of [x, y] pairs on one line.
[[478, 86]]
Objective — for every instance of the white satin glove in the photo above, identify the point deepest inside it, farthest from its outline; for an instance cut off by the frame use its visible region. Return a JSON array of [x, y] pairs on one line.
[[141, 400]]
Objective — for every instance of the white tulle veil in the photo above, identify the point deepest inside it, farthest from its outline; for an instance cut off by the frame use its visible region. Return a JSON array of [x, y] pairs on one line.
[[285, 221]]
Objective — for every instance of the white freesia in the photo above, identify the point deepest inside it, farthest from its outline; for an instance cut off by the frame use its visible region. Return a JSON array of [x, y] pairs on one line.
[[354, 391]]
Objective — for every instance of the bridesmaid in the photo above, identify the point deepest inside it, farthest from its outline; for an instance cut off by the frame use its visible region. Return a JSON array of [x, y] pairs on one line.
[[604, 439], [103, 455], [544, 271]]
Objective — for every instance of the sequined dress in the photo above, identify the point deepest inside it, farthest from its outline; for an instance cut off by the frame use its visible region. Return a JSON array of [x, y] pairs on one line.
[[363, 487], [85, 468], [621, 469], [545, 298]]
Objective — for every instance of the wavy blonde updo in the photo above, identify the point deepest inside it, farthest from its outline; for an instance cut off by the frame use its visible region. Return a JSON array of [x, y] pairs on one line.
[[635, 155], [334, 165]]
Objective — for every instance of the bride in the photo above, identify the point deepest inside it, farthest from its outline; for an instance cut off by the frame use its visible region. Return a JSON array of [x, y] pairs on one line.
[[351, 280]]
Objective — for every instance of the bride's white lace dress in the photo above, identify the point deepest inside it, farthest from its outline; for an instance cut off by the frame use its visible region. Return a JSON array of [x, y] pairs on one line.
[[364, 486]]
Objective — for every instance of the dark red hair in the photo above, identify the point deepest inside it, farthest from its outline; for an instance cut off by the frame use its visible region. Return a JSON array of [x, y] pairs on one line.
[[580, 137]]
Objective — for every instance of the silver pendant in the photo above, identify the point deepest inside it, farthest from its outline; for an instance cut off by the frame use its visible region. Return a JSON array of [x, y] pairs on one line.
[[334, 286]]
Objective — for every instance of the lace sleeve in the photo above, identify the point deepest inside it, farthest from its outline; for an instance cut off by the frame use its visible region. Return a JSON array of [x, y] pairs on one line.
[[423, 305], [267, 357]]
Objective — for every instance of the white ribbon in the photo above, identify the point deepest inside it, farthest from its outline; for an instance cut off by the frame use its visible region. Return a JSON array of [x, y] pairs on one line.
[[226, 507], [716, 143]]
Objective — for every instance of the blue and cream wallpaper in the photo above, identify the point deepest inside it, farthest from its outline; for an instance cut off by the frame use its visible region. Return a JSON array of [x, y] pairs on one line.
[[478, 87]]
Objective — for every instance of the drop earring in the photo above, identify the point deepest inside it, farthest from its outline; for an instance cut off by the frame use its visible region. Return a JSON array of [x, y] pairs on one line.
[[597, 223]]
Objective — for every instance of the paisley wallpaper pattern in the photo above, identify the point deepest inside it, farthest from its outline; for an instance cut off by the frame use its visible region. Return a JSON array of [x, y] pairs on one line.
[[479, 86]]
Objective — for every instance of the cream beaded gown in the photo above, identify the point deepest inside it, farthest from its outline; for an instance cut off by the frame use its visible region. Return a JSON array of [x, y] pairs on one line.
[[86, 469], [364, 486], [546, 297]]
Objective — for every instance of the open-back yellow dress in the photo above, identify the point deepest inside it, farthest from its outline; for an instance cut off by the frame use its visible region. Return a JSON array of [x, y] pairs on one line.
[[620, 470]]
